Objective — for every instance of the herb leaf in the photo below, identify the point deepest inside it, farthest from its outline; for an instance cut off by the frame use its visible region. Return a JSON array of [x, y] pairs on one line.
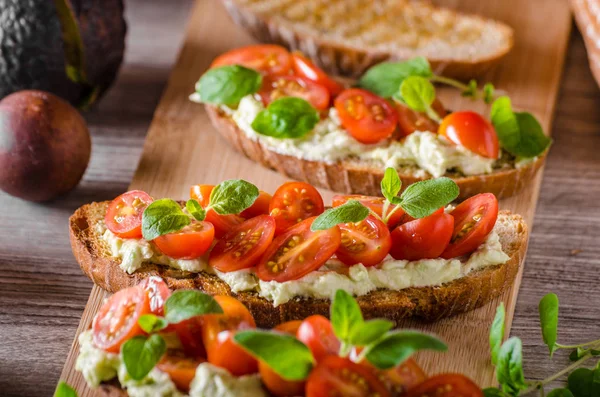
[[509, 369], [423, 198], [582, 384], [390, 184], [345, 315], [185, 304], [283, 353], [488, 93], [368, 332], [195, 209], [233, 196], [151, 323], [162, 217], [497, 333], [140, 354], [227, 85], [384, 79], [560, 393], [287, 117], [471, 90], [548, 309], [64, 390], [417, 93], [493, 392], [351, 211]]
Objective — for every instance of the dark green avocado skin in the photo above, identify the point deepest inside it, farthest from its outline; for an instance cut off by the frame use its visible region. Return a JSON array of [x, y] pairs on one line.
[[32, 55]]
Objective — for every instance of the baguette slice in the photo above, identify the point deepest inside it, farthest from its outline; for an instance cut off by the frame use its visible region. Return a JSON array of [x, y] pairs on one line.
[[587, 15], [347, 37], [430, 303], [353, 176]]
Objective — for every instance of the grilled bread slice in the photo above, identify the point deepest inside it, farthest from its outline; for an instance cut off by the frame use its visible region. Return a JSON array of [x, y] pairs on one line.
[[346, 37]]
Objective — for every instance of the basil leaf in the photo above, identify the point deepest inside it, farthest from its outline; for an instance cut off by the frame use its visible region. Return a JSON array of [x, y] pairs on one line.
[[471, 90], [423, 198], [493, 392], [560, 393], [151, 323], [287, 117], [488, 93], [390, 184], [577, 354], [195, 209], [345, 314], [64, 390], [140, 354], [350, 212], [581, 383], [509, 369], [185, 304], [384, 79], [233, 196], [397, 346], [283, 353], [497, 333], [162, 217], [227, 85], [533, 139], [363, 334], [417, 93], [548, 309]]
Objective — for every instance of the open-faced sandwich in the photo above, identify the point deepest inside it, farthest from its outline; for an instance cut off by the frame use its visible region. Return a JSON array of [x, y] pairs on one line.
[[285, 255], [149, 341], [280, 110]]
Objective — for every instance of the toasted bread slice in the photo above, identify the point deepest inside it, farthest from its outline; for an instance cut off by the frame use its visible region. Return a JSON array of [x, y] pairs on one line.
[[430, 303], [354, 176], [346, 37]]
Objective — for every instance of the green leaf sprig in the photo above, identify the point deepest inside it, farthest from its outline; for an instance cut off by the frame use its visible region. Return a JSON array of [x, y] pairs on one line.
[[287, 117], [64, 390], [418, 93], [227, 85]]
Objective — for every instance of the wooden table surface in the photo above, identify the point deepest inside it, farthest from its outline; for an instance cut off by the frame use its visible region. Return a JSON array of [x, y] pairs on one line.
[[43, 292]]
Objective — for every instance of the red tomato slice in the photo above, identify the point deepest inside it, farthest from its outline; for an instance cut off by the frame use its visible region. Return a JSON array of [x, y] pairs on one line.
[[367, 242], [472, 131], [124, 214], [266, 58], [276, 385], [316, 332], [117, 319], [304, 67], [293, 202], [158, 293], [260, 206], [474, 219], [401, 378], [375, 204], [190, 242], [339, 376], [190, 335], [281, 86], [222, 223], [367, 117], [243, 246], [411, 121], [181, 370], [289, 327], [424, 238], [297, 252], [446, 385]]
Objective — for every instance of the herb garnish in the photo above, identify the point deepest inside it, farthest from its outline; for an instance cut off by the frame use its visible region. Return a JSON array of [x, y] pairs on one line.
[[227, 85], [287, 117]]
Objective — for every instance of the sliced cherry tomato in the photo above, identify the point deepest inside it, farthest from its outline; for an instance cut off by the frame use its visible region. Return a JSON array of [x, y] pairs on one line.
[[316, 332], [266, 58], [403, 377], [474, 219], [367, 242], [181, 370], [222, 223], [260, 206], [472, 131], [243, 246], [375, 204], [305, 68], [424, 238], [190, 334], [293, 202], [276, 385], [367, 117], [158, 293], [117, 319], [340, 376], [446, 385], [190, 242], [124, 214], [289, 327], [411, 121], [297, 252], [281, 86]]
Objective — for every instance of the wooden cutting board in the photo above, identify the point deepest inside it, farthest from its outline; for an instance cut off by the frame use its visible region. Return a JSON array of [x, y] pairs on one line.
[[183, 149]]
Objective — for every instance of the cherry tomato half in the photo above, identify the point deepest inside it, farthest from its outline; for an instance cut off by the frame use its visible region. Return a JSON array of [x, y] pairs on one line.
[[190, 242], [281, 86], [158, 293], [222, 223], [266, 58], [293, 202], [367, 117], [297, 252], [243, 246], [117, 319], [190, 335], [472, 131], [424, 238], [403, 377], [260, 206], [375, 204], [276, 385], [124, 214], [474, 219], [316, 332], [411, 121], [181, 370], [446, 385], [367, 242], [304, 67]]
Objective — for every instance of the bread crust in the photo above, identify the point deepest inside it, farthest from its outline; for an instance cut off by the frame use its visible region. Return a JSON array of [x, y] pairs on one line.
[[353, 177]]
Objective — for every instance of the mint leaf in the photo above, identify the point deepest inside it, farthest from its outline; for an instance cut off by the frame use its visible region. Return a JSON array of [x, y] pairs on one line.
[[227, 85], [384, 79], [577, 354], [185, 304], [140, 354], [195, 209], [423, 198], [471, 90], [350, 212], [64, 390], [533, 139], [488, 93], [581, 383], [509, 369], [151, 323], [233, 196], [162, 217], [345, 315], [548, 309], [287, 117], [560, 393], [395, 347], [363, 334], [497, 333], [390, 184], [283, 353], [417, 93]]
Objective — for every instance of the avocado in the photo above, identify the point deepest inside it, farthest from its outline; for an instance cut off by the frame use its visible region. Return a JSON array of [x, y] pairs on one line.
[[71, 48]]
